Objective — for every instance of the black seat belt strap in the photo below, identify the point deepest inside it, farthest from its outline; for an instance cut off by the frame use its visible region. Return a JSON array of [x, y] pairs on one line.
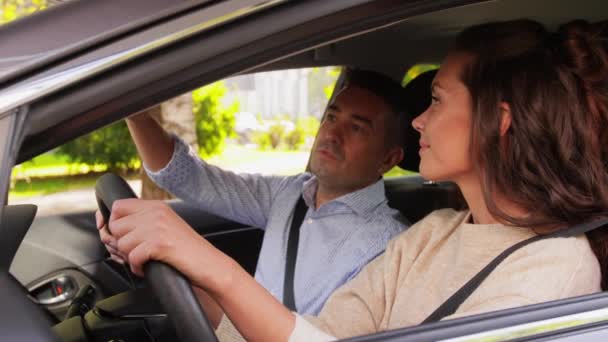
[[292, 252], [451, 304]]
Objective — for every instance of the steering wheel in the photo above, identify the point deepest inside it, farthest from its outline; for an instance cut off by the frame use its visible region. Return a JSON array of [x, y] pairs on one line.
[[170, 286]]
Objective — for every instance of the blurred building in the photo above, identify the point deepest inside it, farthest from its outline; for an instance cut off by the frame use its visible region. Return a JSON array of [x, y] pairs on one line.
[[293, 93]]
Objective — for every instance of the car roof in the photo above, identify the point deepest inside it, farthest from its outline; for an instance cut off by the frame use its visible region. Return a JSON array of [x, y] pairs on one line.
[[55, 33], [390, 42]]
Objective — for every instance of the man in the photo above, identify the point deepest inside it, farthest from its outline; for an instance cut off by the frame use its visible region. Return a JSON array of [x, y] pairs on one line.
[[347, 222]]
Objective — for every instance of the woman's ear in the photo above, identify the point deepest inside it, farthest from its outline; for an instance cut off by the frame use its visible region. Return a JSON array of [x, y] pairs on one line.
[[505, 118]]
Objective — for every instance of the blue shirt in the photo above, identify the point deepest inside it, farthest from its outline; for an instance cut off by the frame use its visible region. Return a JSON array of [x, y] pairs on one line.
[[336, 240]]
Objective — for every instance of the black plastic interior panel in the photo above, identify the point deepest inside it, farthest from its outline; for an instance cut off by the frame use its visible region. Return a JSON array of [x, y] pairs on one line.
[[53, 243], [416, 198], [240, 242], [21, 320], [15, 222]]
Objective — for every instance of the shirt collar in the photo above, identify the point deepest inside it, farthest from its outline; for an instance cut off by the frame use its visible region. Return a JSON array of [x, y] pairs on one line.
[[361, 201]]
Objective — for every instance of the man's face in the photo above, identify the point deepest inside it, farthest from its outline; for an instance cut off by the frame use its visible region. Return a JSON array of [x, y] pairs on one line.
[[350, 151]]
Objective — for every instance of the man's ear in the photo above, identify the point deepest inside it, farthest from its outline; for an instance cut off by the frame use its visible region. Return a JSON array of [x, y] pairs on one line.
[[392, 158], [505, 118]]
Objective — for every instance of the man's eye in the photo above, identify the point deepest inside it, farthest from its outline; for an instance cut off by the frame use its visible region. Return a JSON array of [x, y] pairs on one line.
[[330, 118], [434, 99]]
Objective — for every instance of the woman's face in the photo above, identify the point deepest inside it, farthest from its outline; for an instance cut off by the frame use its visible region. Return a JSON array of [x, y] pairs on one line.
[[446, 125]]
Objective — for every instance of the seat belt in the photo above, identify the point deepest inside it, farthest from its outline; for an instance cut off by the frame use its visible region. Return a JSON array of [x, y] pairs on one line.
[[292, 252], [451, 304]]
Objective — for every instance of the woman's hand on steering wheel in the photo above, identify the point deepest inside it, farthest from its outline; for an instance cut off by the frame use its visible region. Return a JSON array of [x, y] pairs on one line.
[[150, 230], [108, 240]]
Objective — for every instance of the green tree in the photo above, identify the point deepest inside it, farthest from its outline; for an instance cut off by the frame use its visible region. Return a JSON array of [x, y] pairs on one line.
[[110, 146], [321, 83], [309, 125], [214, 121], [295, 138], [276, 133], [303, 134], [417, 70], [15, 9]]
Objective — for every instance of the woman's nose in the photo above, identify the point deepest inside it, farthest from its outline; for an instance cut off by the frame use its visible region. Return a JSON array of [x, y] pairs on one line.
[[419, 122]]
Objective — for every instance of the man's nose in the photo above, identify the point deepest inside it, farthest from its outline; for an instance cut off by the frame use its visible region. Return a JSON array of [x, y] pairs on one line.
[[335, 133]]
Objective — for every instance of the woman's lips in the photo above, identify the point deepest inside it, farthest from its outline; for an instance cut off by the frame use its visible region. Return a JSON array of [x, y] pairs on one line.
[[423, 147]]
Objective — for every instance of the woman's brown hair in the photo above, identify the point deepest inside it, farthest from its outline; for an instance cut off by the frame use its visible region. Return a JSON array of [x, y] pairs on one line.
[[552, 161]]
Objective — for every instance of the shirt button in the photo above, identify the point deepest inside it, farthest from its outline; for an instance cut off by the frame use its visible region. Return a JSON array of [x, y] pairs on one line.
[[310, 220]]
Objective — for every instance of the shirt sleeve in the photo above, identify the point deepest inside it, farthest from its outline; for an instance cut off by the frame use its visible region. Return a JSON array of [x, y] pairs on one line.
[[243, 198]]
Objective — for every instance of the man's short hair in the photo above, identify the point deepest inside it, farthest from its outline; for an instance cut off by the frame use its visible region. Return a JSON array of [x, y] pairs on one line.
[[390, 91]]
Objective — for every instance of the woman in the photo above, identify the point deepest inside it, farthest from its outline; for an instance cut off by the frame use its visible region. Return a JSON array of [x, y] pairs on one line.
[[518, 122]]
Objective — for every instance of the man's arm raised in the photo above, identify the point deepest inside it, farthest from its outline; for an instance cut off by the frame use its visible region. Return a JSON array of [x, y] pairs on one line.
[[154, 144]]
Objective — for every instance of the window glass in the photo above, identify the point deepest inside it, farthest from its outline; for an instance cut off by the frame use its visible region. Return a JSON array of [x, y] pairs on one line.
[[258, 123], [15, 9]]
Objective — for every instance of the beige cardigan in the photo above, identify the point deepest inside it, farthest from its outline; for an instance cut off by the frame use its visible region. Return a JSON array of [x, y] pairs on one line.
[[426, 264]]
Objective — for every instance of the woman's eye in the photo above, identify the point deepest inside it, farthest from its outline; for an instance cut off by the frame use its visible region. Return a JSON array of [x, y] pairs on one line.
[[434, 99]]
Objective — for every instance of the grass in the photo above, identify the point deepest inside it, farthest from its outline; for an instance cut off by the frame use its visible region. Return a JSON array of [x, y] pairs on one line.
[[51, 165], [51, 173], [49, 185], [250, 160]]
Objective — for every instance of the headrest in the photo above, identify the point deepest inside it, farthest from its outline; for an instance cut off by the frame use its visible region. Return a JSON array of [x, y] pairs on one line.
[[417, 99]]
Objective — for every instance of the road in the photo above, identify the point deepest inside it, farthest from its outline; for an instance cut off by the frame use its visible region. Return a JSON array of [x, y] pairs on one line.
[[69, 201]]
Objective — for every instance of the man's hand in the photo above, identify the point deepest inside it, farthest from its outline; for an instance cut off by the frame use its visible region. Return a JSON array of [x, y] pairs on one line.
[[154, 145]]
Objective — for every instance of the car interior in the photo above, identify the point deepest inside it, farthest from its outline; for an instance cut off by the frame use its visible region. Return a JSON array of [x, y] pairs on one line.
[[76, 237], [65, 249]]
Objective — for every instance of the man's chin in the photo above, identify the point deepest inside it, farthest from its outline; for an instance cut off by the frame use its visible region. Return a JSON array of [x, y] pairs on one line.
[[323, 170]]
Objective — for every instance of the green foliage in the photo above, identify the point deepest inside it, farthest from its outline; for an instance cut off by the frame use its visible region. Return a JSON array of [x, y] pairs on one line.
[[110, 146], [276, 133], [309, 125], [333, 74], [262, 139], [15, 9], [280, 136], [272, 137], [214, 122], [295, 138], [304, 133], [321, 83], [398, 172], [417, 70], [50, 185]]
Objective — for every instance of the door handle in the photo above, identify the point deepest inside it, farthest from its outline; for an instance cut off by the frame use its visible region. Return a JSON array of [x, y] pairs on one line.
[[53, 291]]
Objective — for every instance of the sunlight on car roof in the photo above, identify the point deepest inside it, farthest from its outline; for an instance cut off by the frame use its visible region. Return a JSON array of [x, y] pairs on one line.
[[12, 10]]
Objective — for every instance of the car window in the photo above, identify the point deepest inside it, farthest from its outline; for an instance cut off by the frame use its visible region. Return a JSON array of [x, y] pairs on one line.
[[263, 123], [257, 123], [11, 10], [416, 70]]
